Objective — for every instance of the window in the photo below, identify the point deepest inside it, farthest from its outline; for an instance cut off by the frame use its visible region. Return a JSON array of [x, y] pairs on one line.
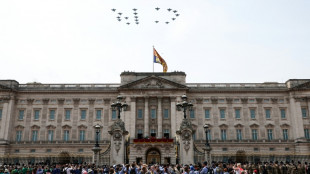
[[52, 114], [267, 113], [209, 134], [287, 149], [153, 113], [304, 112], [99, 135], [222, 113], [285, 134], [34, 135], [192, 114], [239, 134], [256, 149], [20, 115], [236, 100], [82, 135], [83, 114], [16, 150], [36, 114], [66, 135], [207, 113], [307, 135], [140, 114], [48, 150], [98, 114], [223, 134], [269, 133], [283, 114], [113, 114], [32, 150], [254, 134], [50, 135], [140, 134], [221, 100], [166, 113], [252, 112], [271, 149], [166, 133], [67, 114], [224, 149], [237, 113], [19, 135], [81, 150], [153, 132]]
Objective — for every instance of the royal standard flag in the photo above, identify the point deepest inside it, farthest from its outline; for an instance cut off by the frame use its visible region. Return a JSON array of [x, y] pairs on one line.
[[159, 59]]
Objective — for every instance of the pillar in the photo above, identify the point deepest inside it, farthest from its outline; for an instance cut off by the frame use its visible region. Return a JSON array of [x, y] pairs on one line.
[[146, 116], [160, 118]]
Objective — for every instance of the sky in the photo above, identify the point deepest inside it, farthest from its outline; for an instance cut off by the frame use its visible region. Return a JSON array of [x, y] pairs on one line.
[[212, 41]]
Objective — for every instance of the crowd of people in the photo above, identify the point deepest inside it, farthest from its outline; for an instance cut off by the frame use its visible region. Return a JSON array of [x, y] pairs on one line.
[[200, 168]]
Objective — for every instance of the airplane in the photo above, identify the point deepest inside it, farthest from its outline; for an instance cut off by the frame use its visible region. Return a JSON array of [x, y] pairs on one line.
[[175, 11], [173, 18], [113, 9], [157, 8], [126, 17], [118, 17], [137, 23], [119, 20], [156, 21], [134, 9], [177, 14], [137, 20], [136, 16], [169, 9], [135, 13], [127, 23], [167, 22], [120, 13]]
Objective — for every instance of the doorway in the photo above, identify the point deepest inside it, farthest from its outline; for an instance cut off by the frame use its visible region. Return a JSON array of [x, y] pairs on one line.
[[153, 156]]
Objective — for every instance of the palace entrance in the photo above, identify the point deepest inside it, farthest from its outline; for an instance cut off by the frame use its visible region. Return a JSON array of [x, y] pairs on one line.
[[153, 156], [240, 156]]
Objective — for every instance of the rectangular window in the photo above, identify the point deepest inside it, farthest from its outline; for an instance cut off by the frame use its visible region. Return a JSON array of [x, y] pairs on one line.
[[237, 113], [36, 114], [209, 134], [18, 136], [269, 133], [153, 132], [166, 133], [50, 135], [34, 135], [52, 114], [267, 113], [222, 113], [0, 114], [283, 114], [140, 114], [98, 114], [207, 114], [166, 113], [192, 113], [21, 114], [140, 134], [252, 112], [113, 114], [83, 114], [307, 135], [223, 134], [82, 135], [254, 134], [153, 113], [304, 112], [239, 134], [285, 134], [66, 135], [67, 114]]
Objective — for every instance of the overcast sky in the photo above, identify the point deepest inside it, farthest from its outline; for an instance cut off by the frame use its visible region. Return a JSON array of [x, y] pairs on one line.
[[81, 41]]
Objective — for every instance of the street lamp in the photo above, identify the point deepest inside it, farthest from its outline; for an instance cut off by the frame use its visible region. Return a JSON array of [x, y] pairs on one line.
[[97, 128], [185, 105], [119, 106], [208, 148]]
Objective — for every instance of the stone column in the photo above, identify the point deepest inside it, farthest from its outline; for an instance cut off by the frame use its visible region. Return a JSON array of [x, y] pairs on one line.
[[200, 117], [118, 136], [59, 118], [96, 155], [186, 142], [296, 118], [160, 118], [146, 116], [173, 116], [75, 118], [7, 117], [45, 114], [132, 126]]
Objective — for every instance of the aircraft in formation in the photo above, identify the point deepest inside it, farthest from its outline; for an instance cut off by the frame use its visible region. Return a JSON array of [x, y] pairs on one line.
[[136, 17]]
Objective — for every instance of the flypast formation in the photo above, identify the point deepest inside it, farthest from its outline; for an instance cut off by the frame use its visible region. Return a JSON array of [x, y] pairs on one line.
[[135, 18]]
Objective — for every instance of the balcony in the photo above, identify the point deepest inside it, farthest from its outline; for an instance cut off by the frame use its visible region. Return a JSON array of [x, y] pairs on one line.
[[153, 140]]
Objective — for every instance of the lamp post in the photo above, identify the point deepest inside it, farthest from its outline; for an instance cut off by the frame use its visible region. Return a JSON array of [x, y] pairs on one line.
[[184, 105], [208, 148], [119, 106], [96, 149]]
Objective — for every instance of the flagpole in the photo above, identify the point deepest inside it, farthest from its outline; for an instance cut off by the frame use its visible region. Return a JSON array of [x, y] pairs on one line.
[[153, 58]]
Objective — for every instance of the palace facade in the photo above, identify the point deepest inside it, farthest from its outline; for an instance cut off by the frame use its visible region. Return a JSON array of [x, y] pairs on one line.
[[54, 123]]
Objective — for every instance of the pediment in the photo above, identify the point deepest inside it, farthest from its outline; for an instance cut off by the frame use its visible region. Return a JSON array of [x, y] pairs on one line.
[[153, 82], [305, 85]]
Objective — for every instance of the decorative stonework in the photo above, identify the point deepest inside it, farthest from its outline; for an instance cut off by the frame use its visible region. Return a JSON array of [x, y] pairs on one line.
[[274, 100], [45, 101], [259, 100], [76, 101], [61, 101], [229, 100], [107, 101], [214, 100], [118, 125], [199, 100], [30, 101], [91, 101], [186, 124], [244, 100]]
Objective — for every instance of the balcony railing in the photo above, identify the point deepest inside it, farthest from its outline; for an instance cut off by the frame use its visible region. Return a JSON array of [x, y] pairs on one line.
[[236, 85], [153, 140]]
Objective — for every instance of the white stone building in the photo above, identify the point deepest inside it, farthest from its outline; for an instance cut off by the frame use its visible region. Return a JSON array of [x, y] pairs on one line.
[[248, 121]]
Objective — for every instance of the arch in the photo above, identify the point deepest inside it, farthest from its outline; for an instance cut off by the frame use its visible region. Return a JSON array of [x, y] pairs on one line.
[[240, 156], [64, 157], [153, 156]]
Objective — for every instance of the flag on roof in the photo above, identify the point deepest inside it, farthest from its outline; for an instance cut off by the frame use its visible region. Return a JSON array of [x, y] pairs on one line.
[[159, 59]]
